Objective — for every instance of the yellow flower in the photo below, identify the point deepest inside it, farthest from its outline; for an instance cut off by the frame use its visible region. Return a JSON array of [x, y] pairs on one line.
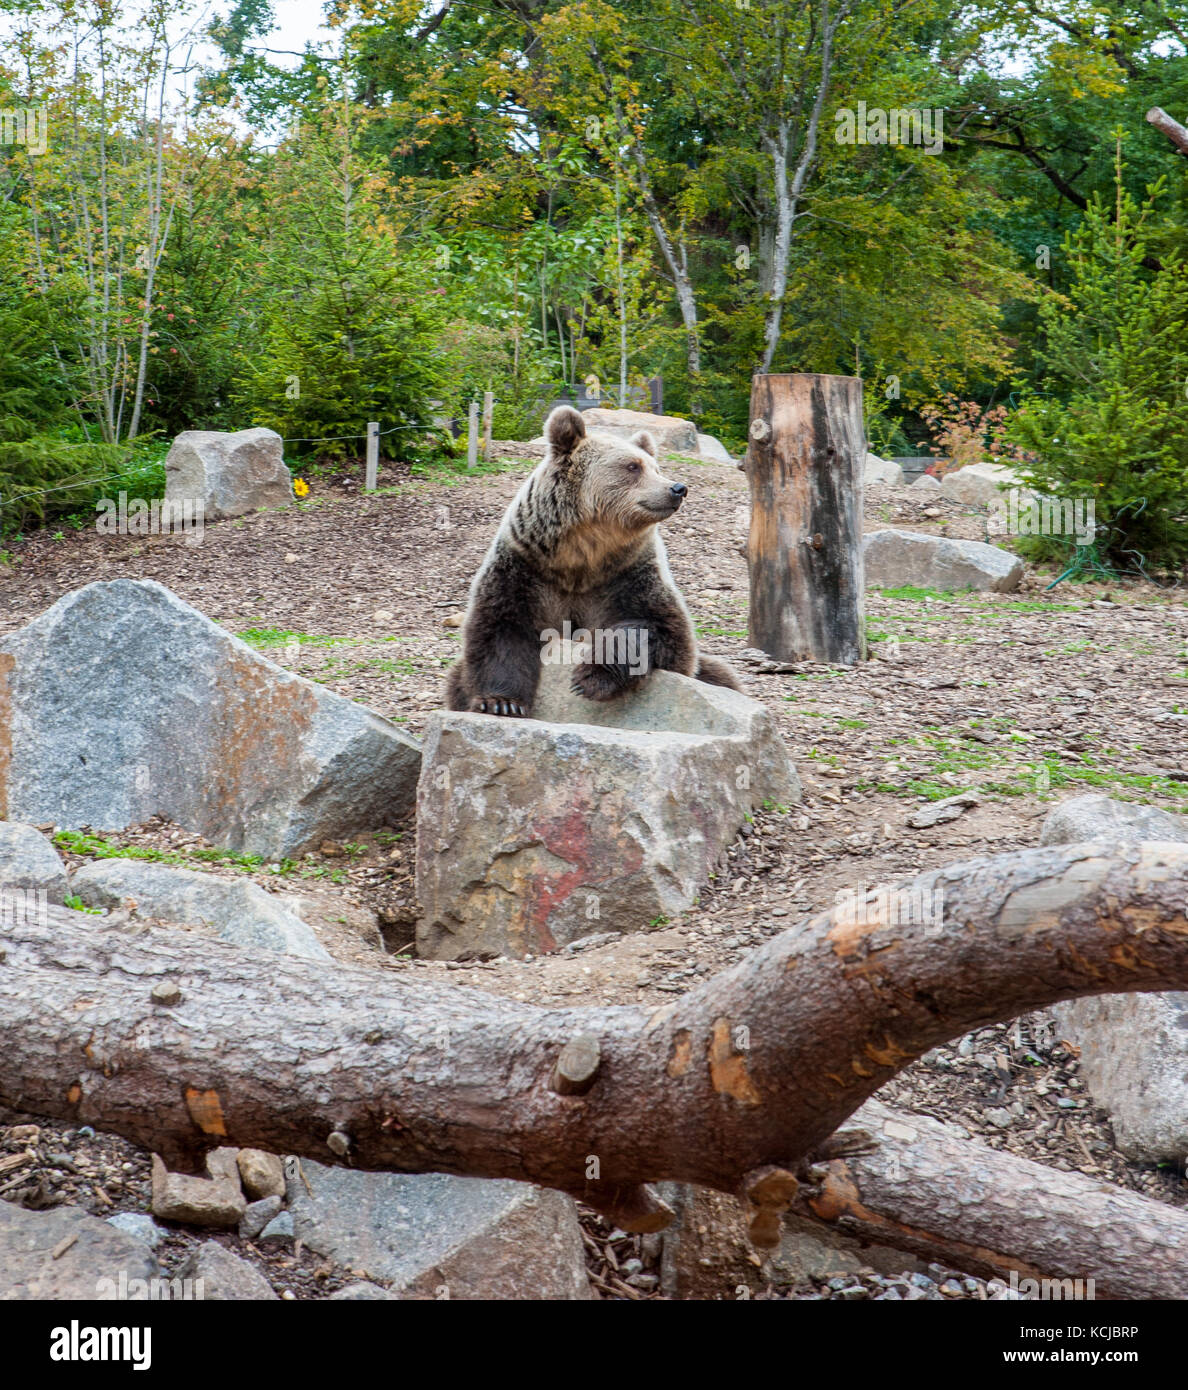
[[300, 487]]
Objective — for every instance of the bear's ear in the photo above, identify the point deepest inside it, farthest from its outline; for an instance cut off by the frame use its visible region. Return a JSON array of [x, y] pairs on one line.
[[564, 428], [643, 440]]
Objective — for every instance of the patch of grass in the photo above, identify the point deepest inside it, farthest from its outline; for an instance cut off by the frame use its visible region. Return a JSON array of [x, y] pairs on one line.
[[76, 904], [281, 637]]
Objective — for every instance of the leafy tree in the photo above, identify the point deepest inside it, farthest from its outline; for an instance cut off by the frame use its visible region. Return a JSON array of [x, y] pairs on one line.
[[1112, 422]]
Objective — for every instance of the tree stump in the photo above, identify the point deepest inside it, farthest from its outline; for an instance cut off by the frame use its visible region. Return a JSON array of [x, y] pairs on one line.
[[805, 464]]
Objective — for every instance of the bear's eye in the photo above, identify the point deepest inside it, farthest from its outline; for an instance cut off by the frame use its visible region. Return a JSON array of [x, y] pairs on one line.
[[634, 468]]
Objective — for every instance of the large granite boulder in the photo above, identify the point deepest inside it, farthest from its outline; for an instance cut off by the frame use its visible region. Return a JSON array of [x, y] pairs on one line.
[[227, 474], [30, 862], [881, 471], [893, 559], [238, 910], [713, 450], [669, 432], [431, 1235], [1134, 1047], [122, 702], [588, 817], [978, 484]]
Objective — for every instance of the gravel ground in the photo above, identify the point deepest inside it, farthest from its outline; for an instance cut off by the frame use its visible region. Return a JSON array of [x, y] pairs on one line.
[[1022, 699]]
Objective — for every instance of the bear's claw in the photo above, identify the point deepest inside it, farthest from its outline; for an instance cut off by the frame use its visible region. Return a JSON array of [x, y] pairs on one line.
[[499, 704], [599, 682]]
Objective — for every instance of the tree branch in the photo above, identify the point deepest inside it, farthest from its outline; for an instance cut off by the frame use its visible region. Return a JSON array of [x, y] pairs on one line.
[[756, 1067]]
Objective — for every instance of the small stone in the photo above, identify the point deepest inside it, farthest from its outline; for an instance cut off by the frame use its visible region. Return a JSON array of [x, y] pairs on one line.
[[331, 849], [215, 1201], [262, 1174], [1000, 1118], [383, 615], [139, 1225], [225, 1277], [453, 619], [258, 1215], [166, 994], [339, 1143], [359, 1292], [279, 1230]]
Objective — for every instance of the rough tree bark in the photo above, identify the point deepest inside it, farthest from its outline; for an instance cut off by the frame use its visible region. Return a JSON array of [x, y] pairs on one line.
[[918, 1186], [805, 464], [732, 1085]]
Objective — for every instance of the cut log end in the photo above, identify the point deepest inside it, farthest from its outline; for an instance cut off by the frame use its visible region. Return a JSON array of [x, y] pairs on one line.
[[577, 1066]]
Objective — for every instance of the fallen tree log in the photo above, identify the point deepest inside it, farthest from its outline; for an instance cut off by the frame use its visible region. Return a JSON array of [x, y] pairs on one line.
[[732, 1085], [920, 1187]]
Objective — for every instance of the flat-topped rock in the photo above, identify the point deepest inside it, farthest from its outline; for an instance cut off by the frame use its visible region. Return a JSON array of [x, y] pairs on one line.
[[894, 558], [670, 433], [590, 817]]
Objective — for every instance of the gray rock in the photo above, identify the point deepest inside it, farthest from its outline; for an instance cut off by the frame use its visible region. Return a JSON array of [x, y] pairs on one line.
[[713, 449], [225, 1277], [926, 482], [538, 831], [1134, 1047], [29, 861], [670, 433], [125, 703], [95, 1256], [937, 812], [895, 558], [139, 1225], [279, 1230], [978, 484], [1102, 818], [229, 474], [360, 1292], [433, 1235], [196, 1201], [880, 471], [240, 911], [258, 1215]]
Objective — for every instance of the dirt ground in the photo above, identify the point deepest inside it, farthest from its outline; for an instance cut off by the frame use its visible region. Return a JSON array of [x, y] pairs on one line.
[[1024, 699]]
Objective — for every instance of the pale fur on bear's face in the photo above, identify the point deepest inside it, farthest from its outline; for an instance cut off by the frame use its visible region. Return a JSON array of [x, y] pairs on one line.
[[619, 484]]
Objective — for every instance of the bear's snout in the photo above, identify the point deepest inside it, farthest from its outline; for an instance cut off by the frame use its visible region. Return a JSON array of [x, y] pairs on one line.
[[678, 490]]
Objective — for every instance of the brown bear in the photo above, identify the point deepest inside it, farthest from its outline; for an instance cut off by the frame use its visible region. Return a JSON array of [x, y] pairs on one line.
[[579, 549]]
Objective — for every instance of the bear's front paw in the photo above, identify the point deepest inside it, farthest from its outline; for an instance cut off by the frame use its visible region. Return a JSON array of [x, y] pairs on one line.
[[500, 704], [601, 682]]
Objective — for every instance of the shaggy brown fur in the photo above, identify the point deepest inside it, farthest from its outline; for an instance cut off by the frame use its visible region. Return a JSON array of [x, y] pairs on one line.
[[580, 543]]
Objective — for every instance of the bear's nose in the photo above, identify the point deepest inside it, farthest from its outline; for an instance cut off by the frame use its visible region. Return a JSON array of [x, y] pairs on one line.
[[678, 489]]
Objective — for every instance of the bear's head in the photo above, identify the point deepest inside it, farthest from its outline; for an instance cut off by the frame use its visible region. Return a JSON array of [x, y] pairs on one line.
[[615, 482]]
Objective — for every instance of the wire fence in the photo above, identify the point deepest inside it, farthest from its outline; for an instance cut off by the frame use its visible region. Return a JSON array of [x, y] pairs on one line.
[[27, 494]]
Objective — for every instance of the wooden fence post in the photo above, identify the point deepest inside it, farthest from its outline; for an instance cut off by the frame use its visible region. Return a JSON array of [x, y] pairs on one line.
[[472, 423], [805, 464], [372, 468], [488, 417]]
